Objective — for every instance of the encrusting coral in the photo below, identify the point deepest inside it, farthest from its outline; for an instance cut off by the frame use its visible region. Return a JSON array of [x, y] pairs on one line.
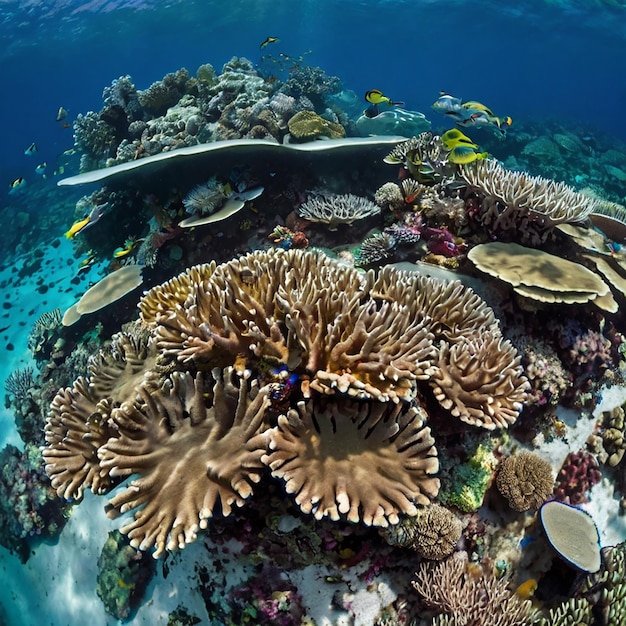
[[368, 461]]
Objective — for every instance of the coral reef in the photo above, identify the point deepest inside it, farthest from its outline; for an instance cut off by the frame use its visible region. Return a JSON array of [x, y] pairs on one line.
[[578, 474]]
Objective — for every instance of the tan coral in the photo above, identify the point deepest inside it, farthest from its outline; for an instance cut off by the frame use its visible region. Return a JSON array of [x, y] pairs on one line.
[[470, 598], [367, 461], [525, 480], [337, 209], [308, 125], [166, 297], [480, 380], [189, 458], [119, 369], [537, 274], [75, 428], [523, 205]]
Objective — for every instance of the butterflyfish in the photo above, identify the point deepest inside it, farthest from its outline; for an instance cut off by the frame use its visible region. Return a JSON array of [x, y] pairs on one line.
[[462, 155], [454, 137], [31, 149], [268, 41], [41, 168], [376, 96]]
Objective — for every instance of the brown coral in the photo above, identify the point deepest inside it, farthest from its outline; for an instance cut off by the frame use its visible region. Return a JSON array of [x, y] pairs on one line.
[[525, 480], [480, 380], [75, 428], [307, 312], [308, 125], [522, 205], [189, 457], [366, 461]]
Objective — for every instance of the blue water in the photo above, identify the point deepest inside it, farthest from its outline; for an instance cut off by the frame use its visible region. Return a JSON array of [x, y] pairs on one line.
[[540, 61], [558, 60]]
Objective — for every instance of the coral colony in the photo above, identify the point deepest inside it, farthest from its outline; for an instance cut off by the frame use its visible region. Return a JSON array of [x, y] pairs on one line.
[[281, 387]]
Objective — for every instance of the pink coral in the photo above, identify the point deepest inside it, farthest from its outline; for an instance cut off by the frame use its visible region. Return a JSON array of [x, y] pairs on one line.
[[578, 474]]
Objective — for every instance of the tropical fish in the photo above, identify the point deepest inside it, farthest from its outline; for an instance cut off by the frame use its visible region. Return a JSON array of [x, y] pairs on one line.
[[31, 149], [477, 106], [87, 262], [526, 589], [129, 244], [462, 155], [76, 227], [17, 184], [454, 137], [41, 168], [376, 97], [447, 104], [268, 41], [61, 114]]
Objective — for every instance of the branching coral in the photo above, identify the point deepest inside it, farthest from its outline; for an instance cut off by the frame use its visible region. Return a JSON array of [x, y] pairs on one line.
[[520, 205], [337, 209], [367, 461], [471, 598], [189, 457], [525, 480]]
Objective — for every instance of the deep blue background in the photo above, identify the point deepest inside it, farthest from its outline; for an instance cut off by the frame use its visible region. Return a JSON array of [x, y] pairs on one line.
[[559, 60]]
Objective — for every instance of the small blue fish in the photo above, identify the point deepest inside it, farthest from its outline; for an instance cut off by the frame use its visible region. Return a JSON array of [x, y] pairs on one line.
[[41, 168], [31, 149]]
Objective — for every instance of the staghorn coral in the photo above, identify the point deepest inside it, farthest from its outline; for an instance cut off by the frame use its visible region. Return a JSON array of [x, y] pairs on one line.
[[525, 480], [522, 206], [189, 456], [337, 209], [308, 313], [18, 384], [470, 598], [366, 461]]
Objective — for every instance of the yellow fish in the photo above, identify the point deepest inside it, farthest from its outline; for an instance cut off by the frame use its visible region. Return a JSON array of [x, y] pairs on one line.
[[268, 41], [18, 183], [376, 96], [526, 589], [76, 227], [462, 155], [454, 137], [477, 106]]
